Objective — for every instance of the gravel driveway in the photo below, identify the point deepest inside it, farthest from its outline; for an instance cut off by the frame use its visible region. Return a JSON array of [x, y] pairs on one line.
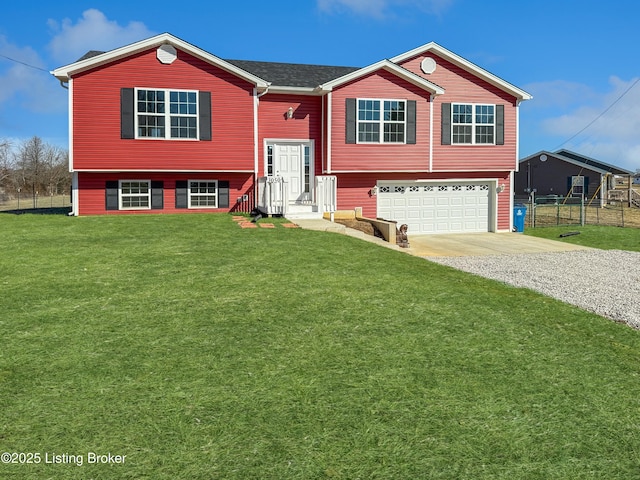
[[606, 282]]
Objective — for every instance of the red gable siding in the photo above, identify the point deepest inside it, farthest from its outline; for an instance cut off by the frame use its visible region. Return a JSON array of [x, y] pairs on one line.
[[96, 117], [380, 157], [305, 124], [462, 87]]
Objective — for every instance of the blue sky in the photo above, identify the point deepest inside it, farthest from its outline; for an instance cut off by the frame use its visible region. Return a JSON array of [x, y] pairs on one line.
[[579, 58]]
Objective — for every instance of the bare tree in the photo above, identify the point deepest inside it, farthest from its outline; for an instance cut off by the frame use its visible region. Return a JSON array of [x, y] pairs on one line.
[[41, 169], [6, 167]]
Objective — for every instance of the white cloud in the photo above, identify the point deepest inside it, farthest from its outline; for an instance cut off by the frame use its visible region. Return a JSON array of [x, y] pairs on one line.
[[93, 31], [607, 127], [380, 8], [27, 80]]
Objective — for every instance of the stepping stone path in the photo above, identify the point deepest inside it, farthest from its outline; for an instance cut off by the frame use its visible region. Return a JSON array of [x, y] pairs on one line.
[[243, 222]]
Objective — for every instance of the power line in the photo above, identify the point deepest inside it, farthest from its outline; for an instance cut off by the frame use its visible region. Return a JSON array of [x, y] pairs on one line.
[[23, 63], [601, 114]]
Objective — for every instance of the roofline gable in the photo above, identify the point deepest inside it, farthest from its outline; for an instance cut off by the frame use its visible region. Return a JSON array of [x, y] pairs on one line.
[[390, 67], [588, 163], [65, 72], [465, 65]]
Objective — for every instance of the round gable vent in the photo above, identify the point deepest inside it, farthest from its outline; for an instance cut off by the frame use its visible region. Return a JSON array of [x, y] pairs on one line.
[[166, 54], [428, 65]]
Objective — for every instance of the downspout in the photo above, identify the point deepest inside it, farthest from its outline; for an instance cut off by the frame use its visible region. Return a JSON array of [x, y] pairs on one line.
[[512, 175], [256, 103], [431, 98], [329, 133]]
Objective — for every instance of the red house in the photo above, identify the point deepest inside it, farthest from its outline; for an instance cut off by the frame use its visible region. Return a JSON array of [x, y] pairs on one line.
[[426, 138]]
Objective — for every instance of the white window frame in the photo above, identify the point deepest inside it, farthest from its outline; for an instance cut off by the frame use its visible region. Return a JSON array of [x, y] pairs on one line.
[[206, 194], [577, 185], [473, 124], [122, 195], [167, 115], [381, 121]]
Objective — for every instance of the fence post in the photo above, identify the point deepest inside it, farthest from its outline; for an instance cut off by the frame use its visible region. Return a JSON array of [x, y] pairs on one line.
[[582, 212]]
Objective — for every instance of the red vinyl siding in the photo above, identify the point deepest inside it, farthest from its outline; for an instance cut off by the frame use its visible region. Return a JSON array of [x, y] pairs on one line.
[[304, 125], [92, 191], [462, 87], [380, 157], [96, 117]]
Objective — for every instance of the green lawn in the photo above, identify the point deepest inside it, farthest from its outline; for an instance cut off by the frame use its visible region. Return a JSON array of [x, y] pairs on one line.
[[607, 238], [201, 350]]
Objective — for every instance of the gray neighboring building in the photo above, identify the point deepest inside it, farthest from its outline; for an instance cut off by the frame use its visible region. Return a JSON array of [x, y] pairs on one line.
[[563, 173]]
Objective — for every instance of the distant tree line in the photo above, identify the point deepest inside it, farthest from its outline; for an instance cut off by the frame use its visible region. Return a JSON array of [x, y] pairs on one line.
[[33, 169]]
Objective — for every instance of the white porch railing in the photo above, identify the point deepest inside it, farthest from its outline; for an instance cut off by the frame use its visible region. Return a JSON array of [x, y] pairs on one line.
[[273, 196], [273, 193], [326, 193]]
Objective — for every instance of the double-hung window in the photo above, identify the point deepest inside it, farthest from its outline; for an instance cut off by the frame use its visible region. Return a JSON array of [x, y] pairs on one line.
[[135, 194], [381, 121], [203, 193], [473, 124], [168, 114]]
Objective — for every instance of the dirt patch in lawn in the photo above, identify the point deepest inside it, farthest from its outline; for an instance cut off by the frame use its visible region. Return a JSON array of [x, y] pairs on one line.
[[360, 225]]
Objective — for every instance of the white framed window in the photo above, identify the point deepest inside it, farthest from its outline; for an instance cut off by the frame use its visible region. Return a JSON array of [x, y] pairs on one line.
[[381, 121], [577, 185], [203, 194], [135, 194], [473, 124], [166, 114]]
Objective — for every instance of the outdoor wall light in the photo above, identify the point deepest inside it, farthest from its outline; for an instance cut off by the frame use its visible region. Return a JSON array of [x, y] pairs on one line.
[[500, 188], [290, 113]]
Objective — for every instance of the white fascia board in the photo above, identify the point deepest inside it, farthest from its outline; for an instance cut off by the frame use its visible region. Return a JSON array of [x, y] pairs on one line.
[[390, 67], [295, 90], [466, 65], [64, 73]]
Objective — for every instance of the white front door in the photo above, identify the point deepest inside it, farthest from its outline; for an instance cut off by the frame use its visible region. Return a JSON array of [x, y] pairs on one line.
[[293, 162]]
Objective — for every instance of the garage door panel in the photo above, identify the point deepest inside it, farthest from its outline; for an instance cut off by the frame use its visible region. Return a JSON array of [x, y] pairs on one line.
[[436, 208]]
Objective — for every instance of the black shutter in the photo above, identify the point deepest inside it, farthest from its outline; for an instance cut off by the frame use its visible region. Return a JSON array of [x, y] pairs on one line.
[[446, 124], [182, 200], [411, 122], [223, 194], [157, 195], [586, 187], [127, 104], [204, 118], [111, 195], [569, 185], [499, 124], [350, 134]]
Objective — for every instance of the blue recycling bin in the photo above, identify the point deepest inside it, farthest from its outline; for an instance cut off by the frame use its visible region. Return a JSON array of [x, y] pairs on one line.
[[519, 214]]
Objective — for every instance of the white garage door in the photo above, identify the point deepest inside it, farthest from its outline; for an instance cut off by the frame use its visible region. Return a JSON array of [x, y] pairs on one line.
[[451, 207]]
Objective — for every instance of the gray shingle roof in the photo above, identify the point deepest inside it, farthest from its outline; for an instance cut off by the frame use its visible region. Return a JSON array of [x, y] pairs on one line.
[[293, 74], [280, 74]]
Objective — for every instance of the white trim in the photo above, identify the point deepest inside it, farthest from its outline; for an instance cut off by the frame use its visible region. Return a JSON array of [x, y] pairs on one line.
[[474, 124], [126, 170], [75, 192], [465, 65], [121, 196], [167, 115], [381, 121], [431, 98], [256, 152], [281, 90], [517, 168], [207, 180], [64, 73], [329, 130], [70, 122], [410, 77]]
